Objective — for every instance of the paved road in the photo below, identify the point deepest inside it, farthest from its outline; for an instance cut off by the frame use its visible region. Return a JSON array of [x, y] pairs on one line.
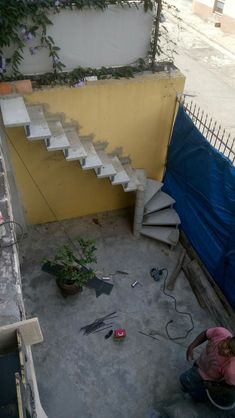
[[209, 68]]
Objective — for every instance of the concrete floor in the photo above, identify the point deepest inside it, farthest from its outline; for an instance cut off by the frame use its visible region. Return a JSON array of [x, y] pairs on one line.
[[91, 377]]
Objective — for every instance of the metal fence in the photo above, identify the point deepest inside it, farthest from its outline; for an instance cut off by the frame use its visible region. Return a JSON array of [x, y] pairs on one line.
[[212, 130]]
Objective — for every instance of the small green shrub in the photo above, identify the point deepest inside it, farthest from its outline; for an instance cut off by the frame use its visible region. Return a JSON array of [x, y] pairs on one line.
[[71, 269]]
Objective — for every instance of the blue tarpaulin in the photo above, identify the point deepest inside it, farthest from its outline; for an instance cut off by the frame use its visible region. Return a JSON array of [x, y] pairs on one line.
[[202, 181]]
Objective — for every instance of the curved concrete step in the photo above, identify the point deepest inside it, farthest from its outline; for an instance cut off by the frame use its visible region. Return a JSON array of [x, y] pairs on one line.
[[163, 217], [159, 201], [165, 234], [14, 112], [38, 127], [152, 187]]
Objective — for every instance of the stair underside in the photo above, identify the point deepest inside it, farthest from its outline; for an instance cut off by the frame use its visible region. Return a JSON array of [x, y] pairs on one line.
[[92, 160], [38, 126], [152, 187], [14, 112], [76, 151], [163, 217], [58, 140], [159, 201], [165, 234]]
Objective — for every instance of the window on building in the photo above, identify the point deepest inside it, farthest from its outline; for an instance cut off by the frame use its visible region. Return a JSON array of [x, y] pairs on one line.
[[219, 6]]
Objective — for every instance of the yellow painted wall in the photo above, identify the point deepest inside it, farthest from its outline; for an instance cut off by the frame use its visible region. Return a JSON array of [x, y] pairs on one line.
[[134, 114]]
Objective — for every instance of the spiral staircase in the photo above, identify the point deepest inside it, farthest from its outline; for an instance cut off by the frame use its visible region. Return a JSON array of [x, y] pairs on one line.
[[159, 221]]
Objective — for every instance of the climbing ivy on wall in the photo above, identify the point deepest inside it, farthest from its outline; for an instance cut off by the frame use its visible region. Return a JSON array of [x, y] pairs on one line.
[[21, 21]]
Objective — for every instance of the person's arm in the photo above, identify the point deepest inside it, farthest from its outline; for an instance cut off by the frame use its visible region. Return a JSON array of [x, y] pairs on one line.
[[200, 339]]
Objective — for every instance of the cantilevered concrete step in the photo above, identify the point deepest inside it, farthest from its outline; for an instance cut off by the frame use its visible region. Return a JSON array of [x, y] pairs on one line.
[[76, 150], [165, 234], [92, 159], [152, 187], [121, 176], [163, 217], [133, 183], [58, 140], [14, 112], [159, 201], [38, 127], [107, 169]]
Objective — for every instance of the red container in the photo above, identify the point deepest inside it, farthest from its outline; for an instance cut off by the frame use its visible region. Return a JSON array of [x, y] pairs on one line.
[[119, 334]]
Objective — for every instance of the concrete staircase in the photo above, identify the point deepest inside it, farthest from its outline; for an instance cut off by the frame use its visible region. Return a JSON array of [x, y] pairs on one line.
[[57, 136], [159, 220]]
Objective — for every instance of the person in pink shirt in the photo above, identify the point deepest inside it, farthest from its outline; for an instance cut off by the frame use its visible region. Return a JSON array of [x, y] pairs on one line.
[[214, 369]]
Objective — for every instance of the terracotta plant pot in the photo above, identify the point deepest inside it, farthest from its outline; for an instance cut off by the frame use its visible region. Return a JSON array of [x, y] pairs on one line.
[[68, 289]]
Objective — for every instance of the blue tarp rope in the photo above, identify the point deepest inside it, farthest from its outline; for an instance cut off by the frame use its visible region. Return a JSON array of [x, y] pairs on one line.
[[202, 181]]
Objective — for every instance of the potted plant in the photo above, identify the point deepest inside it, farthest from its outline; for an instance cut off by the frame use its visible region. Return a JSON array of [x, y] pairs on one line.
[[72, 272]]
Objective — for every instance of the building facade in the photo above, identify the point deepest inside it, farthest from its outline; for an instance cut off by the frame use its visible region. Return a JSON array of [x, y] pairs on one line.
[[223, 10]]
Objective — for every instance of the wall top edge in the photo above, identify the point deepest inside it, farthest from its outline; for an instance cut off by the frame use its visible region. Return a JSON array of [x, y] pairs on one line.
[[147, 76], [12, 309]]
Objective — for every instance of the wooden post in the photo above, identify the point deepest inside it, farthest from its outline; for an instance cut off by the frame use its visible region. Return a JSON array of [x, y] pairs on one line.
[[209, 296], [176, 271]]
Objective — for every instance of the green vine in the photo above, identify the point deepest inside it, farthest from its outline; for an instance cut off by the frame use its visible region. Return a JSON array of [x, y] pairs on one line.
[[21, 21], [77, 77], [161, 44]]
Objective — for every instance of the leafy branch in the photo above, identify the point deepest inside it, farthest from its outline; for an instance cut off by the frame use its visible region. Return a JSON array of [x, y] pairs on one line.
[[23, 21], [162, 44]]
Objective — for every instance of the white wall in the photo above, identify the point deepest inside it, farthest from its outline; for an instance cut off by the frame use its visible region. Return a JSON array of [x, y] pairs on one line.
[[209, 3], [94, 38], [229, 8]]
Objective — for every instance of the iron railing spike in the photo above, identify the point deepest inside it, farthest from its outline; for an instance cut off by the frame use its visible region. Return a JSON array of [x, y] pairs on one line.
[[210, 129]]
